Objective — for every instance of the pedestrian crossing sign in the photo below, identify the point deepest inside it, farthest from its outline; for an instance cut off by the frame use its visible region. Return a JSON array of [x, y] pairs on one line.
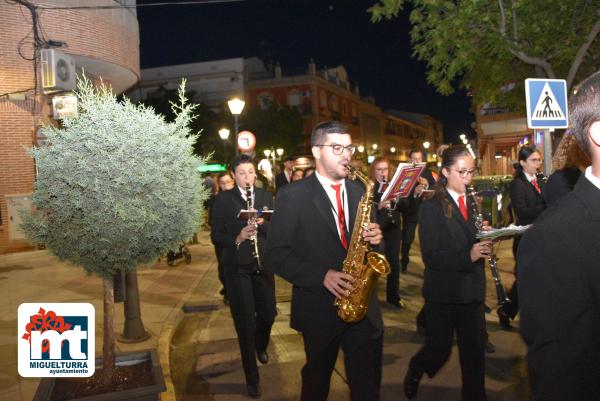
[[546, 103]]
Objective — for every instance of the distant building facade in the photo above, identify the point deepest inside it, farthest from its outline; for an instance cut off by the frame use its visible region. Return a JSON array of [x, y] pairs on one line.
[[103, 43]]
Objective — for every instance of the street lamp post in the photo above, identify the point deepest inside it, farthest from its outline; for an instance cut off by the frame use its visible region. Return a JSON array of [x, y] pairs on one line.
[[236, 105], [224, 134]]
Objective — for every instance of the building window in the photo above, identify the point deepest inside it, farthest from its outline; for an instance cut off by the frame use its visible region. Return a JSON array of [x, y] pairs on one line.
[[334, 103], [294, 98], [323, 99], [353, 110], [344, 107], [265, 100]]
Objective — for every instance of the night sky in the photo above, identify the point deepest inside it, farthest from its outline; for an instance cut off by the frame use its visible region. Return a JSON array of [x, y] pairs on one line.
[[376, 56]]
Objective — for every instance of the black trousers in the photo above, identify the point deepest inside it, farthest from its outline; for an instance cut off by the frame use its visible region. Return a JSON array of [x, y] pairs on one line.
[[409, 226], [468, 322], [512, 308], [392, 237], [362, 345], [252, 304], [220, 267]]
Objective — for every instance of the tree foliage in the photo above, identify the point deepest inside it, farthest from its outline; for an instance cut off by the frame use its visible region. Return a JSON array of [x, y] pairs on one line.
[[491, 47], [118, 185], [275, 127]]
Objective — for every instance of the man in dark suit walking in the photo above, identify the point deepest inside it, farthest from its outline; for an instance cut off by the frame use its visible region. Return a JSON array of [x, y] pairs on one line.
[[308, 239], [285, 176], [559, 275], [409, 207], [251, 291]]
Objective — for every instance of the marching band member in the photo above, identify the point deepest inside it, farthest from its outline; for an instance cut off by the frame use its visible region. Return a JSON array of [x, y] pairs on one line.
[[388, 219], [527, 203], [308, 242], [454, 280], [559, 279], [251, 295]]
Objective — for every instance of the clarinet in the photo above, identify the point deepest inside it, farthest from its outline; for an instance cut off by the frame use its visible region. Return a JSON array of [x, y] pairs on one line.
[[492, 259], [252, 216]]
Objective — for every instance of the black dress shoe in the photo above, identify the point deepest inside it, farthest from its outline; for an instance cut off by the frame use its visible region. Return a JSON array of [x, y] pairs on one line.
[[262, 357], [487, 309], [504, 319], [254, 390], [404, 268], [411, 383], [396, 304]]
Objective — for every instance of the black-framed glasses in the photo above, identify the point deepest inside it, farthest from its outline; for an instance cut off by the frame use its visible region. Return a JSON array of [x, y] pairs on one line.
[[337, 149], [464, 173]]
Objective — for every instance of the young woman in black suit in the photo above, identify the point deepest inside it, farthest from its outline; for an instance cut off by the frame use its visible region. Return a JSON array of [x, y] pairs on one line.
[[454, 280], [527, 203]]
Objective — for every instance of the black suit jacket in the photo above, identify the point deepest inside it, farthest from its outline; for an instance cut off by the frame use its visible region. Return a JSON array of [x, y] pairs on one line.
[[525, 200], [409, 206], [303, 245], [560, 183], [225, 226], [450, 276], [559, 293], [280, 180]]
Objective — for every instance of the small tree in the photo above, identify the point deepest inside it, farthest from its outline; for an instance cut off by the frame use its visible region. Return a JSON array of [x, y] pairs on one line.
[[117, 186]]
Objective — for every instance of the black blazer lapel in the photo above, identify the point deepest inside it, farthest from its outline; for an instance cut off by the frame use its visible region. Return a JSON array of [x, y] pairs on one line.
[[469, 227], [322, 203], [354, 196]]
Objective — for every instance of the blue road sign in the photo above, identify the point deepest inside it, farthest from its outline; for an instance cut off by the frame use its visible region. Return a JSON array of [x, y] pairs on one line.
[[546, 103]]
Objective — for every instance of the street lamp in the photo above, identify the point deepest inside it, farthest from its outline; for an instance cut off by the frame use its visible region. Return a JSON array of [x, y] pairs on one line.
[[426, 145], [224, 134], [361, 148], [236, 105], [393, 149]]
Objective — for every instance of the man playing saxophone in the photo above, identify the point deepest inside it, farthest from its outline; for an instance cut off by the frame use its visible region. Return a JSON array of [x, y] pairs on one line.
[[251, 295], [309, 239]]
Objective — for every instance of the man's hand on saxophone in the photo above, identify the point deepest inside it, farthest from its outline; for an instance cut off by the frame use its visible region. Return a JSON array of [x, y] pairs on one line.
[[338, 283], [372, 234]]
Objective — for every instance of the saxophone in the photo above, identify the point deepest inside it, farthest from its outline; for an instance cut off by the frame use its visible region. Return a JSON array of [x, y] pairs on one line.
[[361, 263], [253, 215]]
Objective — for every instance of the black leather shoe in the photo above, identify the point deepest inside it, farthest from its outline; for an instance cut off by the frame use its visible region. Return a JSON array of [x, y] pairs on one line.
[[489, 347], [262, 357], [404, 268], [254, 390], [504, 319], [396, 304], [487, 309], [411, 383]]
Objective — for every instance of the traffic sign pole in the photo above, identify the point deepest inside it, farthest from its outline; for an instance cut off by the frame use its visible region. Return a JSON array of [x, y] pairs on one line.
[[547, 151]]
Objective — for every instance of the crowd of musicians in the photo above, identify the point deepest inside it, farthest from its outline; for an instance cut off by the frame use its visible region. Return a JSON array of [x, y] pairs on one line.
[[307, 238]]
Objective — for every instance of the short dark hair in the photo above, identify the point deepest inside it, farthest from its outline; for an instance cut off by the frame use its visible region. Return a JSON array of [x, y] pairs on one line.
[[584, 108], [288, 159], [415, 150], [321, 130], [241, 159]]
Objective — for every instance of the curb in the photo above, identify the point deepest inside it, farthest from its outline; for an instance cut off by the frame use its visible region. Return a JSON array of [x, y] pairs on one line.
[[166, 335]]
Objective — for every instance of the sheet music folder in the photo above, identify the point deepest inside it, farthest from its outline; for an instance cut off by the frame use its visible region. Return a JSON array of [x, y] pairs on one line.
[[404, 180]]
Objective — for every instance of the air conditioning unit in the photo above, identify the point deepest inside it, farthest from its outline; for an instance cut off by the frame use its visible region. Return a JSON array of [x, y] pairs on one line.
[[58, 71]]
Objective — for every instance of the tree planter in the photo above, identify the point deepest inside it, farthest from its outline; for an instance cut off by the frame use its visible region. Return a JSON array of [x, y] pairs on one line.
[[146, 393]]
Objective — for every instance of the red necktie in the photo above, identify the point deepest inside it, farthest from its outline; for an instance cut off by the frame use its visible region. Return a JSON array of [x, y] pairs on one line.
[[463, 207], [537, 187], [340, 212]]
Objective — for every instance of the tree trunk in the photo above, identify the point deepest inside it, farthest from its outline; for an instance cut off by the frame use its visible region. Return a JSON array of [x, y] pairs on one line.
[[108, 347], [134, 327]]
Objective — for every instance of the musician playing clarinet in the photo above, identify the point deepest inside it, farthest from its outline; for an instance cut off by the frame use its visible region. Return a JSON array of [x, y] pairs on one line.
[[250, 288], [454, 280]]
